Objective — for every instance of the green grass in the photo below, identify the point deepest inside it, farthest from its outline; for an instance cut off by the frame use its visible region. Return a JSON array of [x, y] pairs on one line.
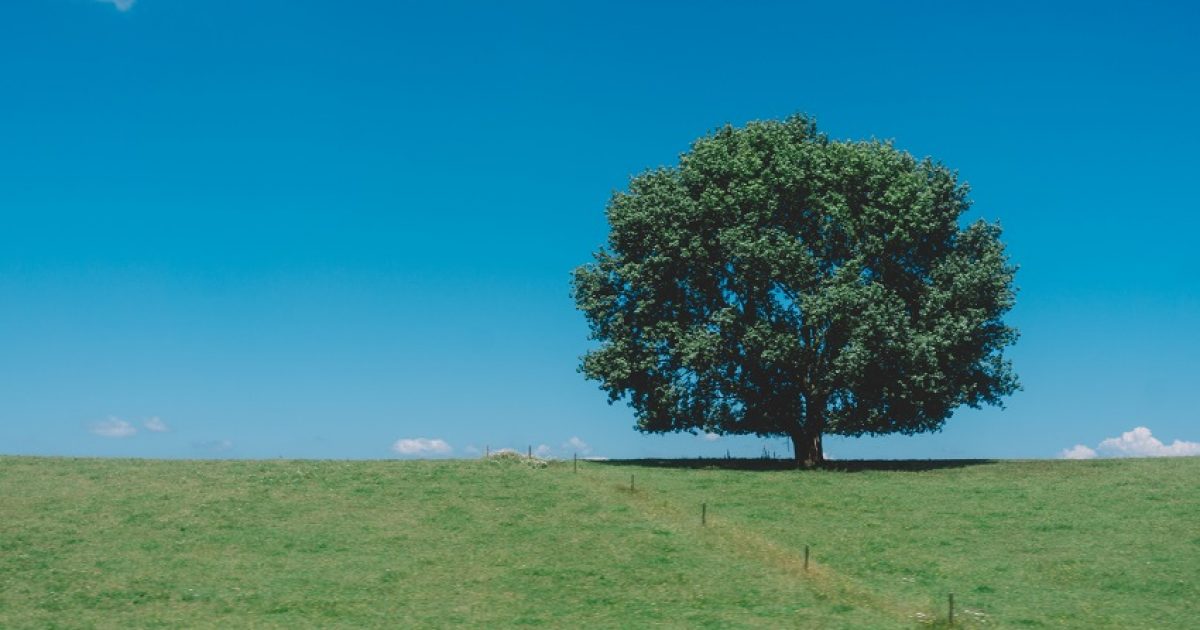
[[119, 543]]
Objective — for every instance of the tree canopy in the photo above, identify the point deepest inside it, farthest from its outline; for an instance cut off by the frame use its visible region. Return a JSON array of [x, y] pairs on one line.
[[778, 283]]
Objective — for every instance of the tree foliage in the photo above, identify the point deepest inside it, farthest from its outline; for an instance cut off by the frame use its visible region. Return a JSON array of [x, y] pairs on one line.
[[776, 282]]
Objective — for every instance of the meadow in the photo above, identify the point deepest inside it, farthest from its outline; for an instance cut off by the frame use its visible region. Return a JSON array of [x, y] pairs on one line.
[[280, 543]]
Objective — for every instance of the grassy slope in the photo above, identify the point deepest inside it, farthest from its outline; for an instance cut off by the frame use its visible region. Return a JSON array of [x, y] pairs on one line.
[[283, 543]]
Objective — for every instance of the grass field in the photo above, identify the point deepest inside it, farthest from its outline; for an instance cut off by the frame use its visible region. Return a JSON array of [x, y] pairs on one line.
[[120, 543]]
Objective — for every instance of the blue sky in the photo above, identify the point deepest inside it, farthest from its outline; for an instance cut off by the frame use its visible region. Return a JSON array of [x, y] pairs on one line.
[[314, 229]]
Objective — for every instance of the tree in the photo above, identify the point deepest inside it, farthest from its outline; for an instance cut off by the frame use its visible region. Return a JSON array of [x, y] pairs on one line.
[[778, 283]]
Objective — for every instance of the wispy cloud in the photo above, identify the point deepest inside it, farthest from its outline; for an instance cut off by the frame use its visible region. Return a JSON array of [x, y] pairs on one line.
[[1139, 442], [217, 446], [421, 446], [710, 437], [113, 428], [577, 445], [471, 449], [121, 5], [156, 425], [542, 450]]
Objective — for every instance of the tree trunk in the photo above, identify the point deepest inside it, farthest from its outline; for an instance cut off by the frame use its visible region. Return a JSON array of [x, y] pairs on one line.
[[807, 446], [806, 439]]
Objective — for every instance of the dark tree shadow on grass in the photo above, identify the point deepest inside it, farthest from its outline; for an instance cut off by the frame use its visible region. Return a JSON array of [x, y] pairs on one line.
[[849, 465]]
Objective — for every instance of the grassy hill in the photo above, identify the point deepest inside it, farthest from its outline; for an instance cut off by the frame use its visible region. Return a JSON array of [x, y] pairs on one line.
[[117, 543]]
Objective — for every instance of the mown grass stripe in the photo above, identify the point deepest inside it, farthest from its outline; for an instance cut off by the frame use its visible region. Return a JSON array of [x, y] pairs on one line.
[[735, 539]]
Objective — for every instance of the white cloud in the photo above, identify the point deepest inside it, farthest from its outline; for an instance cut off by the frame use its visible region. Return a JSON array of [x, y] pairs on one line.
[[121, 5], [1078, 451], [113, 428], [710, 437], [542, 450], [1140, 443], [471, 449], [1136, 443], [421, 446], [156, 425], [577, 445]]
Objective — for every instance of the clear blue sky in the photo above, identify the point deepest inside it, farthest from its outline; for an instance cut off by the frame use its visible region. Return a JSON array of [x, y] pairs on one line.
[[311, 229]]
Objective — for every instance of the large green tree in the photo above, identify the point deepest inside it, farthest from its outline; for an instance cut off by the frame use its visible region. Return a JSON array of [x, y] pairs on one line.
[[779, 283]]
